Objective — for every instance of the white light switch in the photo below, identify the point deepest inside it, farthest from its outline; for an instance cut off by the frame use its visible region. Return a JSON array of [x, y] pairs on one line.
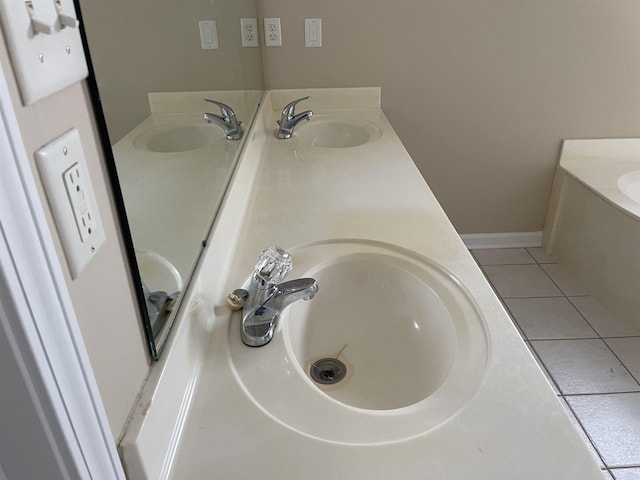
[[44, 44], [66, 181], [208, 34], [312, 32]]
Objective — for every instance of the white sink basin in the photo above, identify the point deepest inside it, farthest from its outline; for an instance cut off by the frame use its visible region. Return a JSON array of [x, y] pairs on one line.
[[178, 137], [337, 132], [410, 337], [389, 327]]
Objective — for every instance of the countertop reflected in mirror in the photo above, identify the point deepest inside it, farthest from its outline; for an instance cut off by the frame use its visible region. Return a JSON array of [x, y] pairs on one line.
[[151, 76]]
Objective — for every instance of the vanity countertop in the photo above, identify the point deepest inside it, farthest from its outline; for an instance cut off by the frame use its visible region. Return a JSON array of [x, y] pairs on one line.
[[514, 427]]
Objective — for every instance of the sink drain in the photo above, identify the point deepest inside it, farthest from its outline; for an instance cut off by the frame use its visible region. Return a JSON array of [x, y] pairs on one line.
[[328, 371]]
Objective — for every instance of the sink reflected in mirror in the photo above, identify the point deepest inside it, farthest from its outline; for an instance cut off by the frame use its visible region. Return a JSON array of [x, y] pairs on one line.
[[391, 346], [167, 204], [178, 137], [329, 131]]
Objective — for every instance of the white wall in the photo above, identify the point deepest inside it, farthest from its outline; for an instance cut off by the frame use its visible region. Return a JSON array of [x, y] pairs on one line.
[[157, 49], [481, 92], [102, 295]]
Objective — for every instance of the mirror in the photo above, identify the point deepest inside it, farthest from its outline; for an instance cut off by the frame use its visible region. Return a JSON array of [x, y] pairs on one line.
[[151, 71]]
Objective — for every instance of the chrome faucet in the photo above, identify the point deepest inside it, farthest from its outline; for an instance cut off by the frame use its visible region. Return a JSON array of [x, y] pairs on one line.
[[289, 119], [228, 121], [266, 299]]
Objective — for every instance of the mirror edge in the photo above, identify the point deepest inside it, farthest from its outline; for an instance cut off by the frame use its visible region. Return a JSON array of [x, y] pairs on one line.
[[114, 184]]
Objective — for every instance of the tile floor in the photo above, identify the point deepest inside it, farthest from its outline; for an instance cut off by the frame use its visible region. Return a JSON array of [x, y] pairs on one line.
[[591, 358]]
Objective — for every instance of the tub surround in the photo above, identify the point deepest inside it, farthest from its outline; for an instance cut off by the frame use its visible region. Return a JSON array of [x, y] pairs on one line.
[[512, 427], [593, 226]]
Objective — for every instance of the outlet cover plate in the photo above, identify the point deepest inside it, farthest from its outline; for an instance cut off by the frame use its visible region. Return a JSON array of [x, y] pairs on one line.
[[249, 29], [272, 32], [47, 61], [67, 184]]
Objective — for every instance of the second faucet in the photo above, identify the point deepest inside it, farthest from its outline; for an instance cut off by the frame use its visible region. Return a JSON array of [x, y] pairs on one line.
[[289, 119]]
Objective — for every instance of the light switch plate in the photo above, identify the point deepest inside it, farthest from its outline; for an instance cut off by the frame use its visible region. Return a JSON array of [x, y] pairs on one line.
[[44, 44], [313, 32], [208, 34], [68, 186]]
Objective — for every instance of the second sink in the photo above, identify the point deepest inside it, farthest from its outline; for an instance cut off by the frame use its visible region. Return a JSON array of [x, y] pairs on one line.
[[178, 137], [329, 131]]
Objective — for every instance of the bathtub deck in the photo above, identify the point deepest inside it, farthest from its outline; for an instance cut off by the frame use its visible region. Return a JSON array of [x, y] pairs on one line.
[[591, 358]]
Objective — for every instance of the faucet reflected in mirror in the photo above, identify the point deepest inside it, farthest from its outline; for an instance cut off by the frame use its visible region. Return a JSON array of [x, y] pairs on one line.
[[228, 120], [163, 159]]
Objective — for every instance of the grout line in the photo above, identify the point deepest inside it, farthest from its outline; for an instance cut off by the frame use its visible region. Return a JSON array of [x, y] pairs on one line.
[[602, 337], [591, 394], [625, 467], [558, 286], [593, 444], [621, 362], [541, 364], [583, 316], [544, 368]]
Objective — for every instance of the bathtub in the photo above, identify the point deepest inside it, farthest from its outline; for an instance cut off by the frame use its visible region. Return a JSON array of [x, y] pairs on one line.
[[593, 222]]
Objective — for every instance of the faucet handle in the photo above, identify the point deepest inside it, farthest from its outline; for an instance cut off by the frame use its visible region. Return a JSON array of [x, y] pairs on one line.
[[273, 265], [289, 110], [227, 111]]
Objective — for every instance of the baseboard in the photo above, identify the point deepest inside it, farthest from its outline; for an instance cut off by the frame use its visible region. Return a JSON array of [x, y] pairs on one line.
[[502, 240]]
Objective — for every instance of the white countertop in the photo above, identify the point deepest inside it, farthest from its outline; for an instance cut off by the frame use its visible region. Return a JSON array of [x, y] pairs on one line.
[[513, 428]]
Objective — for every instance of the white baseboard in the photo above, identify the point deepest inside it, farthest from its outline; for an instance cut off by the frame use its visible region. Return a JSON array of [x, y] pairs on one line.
[[502, 240]]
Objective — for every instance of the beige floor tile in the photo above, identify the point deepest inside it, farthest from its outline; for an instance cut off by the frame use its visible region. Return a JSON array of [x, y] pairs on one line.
[[628, 351], [548, 318], [626, 473], [513, 281], [582, 433], [563, 280], [603, 321], [584, 366], [540, 256], [613, 423]]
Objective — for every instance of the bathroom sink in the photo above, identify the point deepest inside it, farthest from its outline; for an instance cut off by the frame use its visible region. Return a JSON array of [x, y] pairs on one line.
[[337, 132], [178, 137], [379, 317], [390, 347]]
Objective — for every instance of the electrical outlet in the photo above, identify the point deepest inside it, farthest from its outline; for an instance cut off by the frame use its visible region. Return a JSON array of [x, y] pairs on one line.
[[249, 29], [272, 32], [66, 181], [76, 187]]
